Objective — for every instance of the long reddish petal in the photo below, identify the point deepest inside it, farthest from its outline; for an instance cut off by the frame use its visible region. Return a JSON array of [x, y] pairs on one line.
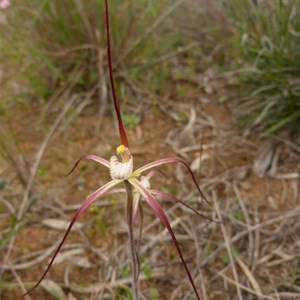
[[174, 199], [170, 160], [113, 191], [89, 201], [163, 218], [116, 103], [96, 158]]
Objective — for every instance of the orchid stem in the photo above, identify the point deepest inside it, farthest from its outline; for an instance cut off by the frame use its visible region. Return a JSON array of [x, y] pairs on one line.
[[132, 248]]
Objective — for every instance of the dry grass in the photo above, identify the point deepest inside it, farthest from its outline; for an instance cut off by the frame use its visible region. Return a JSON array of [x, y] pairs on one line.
[[251, 254]]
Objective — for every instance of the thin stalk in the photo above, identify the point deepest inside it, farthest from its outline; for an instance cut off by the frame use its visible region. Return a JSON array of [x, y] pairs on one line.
[[140, 229], [132, 248]]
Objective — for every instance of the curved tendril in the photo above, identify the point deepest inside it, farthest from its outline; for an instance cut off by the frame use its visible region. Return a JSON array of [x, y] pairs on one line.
[[174, 199], [170, 160], [104, 190], [96, 158]]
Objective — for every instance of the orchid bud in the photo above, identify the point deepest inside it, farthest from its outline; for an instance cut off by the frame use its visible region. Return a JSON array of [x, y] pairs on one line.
[[144, 181]]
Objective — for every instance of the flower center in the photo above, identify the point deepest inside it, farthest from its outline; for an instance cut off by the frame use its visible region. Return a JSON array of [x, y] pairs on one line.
[[121, 169]]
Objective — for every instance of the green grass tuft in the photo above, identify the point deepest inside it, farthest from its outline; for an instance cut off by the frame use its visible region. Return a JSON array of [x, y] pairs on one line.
[[53, 44], [266, 41]]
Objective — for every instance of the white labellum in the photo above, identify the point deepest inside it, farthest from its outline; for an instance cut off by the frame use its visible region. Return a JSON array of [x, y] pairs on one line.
[[120, 170]]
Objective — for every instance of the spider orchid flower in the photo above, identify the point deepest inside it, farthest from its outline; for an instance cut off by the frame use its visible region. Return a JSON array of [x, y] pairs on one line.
[[121, 171], [137, 187]]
